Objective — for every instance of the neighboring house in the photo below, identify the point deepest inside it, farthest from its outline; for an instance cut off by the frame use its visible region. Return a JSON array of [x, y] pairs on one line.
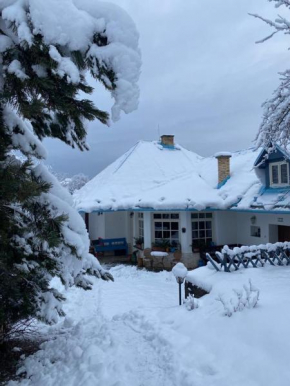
[[159, 190]]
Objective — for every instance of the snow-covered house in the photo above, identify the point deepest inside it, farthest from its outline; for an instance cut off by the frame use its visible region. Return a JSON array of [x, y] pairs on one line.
[[159, 190]]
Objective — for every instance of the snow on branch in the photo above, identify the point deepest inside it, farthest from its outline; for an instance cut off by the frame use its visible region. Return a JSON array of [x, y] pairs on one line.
[[22, 134], [102, 33], [47, 48], [275, 127]]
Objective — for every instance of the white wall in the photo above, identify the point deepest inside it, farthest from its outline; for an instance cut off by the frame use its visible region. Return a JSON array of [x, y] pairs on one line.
[[264, 221], [185, 238], [116, 225], [235, 227], [228, 227], [273, 233], [224, 228], [96, 226]]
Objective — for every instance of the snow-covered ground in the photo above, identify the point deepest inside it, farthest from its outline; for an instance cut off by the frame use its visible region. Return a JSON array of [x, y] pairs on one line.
[[133, 333]]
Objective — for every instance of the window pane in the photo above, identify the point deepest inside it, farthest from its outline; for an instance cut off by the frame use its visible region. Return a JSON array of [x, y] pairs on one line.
[[202, 215], [158, 235], [166, 226], [194, 215], [201, 225], [284, 174], [195, 234], [208, 215], [195, 225], [255, 231], [174, 226], [275, 179], [174, 215], [166, 215], [201, 234], [157, 215], [166, 234], [208, 233], [208, 224], [158, 226], [174, 235]]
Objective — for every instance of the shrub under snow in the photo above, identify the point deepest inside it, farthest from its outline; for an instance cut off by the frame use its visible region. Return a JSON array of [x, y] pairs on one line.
[[247, 297]]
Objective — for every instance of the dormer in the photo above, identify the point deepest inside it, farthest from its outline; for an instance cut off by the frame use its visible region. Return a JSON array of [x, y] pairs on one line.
[[275, 166]]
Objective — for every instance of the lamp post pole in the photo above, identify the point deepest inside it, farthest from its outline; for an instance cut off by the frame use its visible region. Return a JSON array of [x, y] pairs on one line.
[[179, 271]]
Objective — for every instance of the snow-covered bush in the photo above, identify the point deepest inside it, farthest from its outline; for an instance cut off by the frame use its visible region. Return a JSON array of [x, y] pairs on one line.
[[46, 49], [190, 303], [247, 297]]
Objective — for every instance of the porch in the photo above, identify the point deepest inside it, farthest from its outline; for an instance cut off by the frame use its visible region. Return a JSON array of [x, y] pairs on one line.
[[189, 232]]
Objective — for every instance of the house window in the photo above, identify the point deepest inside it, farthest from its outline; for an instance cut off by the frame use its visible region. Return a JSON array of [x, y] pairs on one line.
[[166, 226], [201, 229], [279, 173], [255, 231], [140, 225]]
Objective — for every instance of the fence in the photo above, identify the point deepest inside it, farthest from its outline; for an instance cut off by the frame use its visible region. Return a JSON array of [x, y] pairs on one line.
[[253, 256]]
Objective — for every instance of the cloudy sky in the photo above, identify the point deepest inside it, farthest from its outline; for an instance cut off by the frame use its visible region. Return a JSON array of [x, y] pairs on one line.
[[203, 79]]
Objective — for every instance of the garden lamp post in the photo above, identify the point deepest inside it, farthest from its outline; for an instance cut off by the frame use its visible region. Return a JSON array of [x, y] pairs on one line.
[[180, 272]]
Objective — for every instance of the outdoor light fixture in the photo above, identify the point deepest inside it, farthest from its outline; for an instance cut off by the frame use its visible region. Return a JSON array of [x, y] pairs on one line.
[[253, 219], [180, 272]]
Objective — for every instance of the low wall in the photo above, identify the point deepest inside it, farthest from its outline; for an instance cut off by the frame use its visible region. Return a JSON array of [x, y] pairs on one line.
[[190, 260]]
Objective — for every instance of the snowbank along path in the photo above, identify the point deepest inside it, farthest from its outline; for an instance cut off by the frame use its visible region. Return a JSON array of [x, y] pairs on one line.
[[133, 333]]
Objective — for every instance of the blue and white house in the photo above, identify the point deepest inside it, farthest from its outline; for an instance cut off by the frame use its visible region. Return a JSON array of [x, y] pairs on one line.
[[159, 190]]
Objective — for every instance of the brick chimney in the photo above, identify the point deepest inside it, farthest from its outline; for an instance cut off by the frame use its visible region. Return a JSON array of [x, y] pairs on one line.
[[167, 140], [223, 166]]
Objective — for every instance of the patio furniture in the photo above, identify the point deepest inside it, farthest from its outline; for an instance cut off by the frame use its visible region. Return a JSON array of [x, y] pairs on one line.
[[108, 245], [158, 257]]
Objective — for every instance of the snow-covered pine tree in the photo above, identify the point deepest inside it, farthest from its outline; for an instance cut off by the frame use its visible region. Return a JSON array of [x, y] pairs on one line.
[[47, 47], [275, 127]]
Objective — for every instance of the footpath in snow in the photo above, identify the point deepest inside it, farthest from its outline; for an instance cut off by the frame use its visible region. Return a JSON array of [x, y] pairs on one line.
[[133, 333]]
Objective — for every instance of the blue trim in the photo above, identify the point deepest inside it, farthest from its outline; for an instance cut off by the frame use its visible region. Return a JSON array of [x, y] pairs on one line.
[[259, 211], [169, 147], [274, 156], [223, 182], [262, 190], [272, 190], [256, 163], [192, 210], [283, 152], [236, 204]]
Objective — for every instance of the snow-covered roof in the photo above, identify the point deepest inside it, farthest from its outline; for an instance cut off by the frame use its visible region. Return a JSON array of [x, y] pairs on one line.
[[152, 176], [223, 154]]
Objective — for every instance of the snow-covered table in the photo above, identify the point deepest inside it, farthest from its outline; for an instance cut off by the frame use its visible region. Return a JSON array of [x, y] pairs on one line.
[[158, 254], [158, 257]]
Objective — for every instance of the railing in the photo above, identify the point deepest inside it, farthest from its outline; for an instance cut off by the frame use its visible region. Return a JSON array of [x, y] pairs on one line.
[[252, 256]]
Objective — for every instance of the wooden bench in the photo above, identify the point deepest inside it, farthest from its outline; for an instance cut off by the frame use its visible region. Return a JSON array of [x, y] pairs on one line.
[[109, 245]]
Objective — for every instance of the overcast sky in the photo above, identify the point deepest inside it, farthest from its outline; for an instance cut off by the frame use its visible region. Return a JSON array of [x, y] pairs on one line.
[[203, 79]]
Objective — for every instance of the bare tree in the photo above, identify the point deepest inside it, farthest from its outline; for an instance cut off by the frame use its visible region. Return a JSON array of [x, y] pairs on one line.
[[275, 127]]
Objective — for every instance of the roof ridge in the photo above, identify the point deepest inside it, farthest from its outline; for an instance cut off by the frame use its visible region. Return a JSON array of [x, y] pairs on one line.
[[130, 151]]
